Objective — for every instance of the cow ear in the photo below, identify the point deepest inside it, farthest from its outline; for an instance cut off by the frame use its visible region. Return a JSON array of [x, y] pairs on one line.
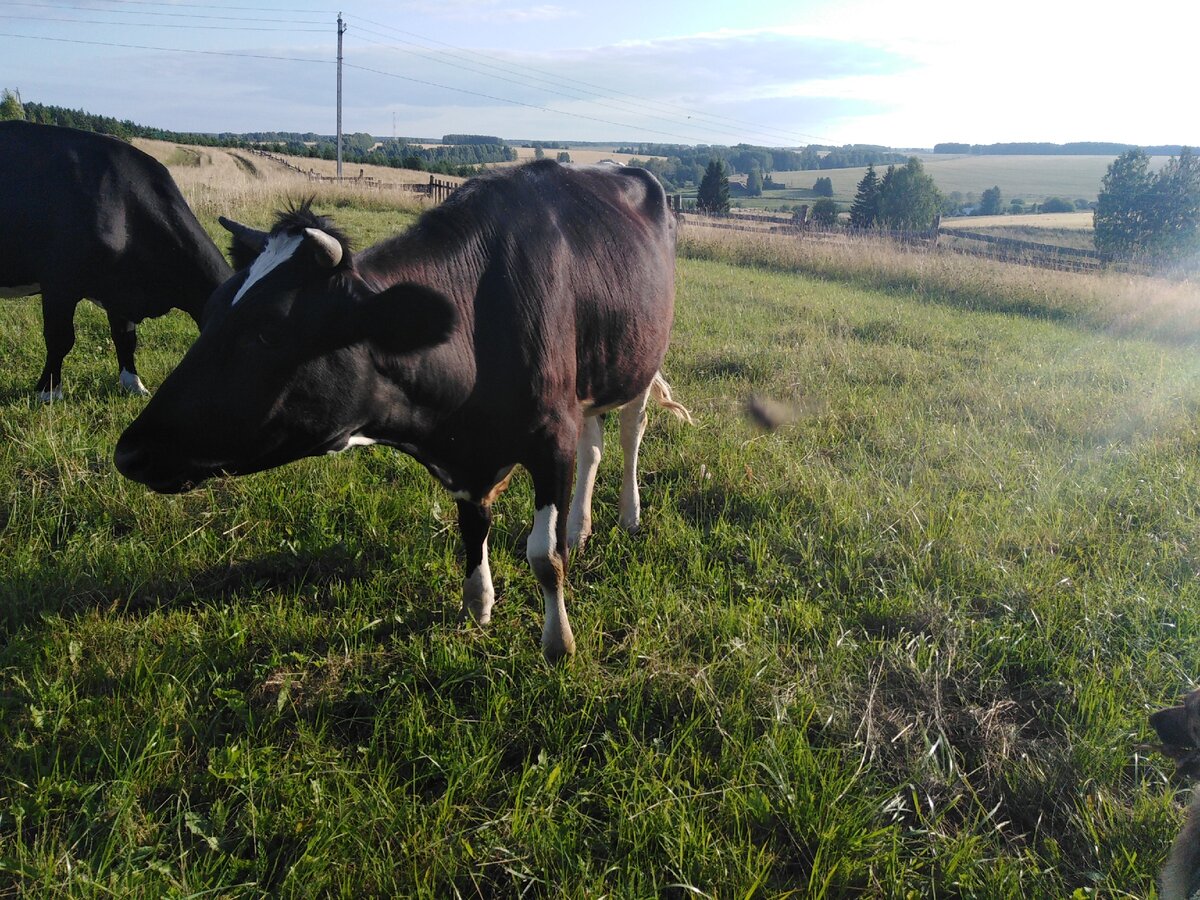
[[406, 317], [247, 242]]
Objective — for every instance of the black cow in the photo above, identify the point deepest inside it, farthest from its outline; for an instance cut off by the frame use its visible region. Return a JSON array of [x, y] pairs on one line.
[[86, 215], [493, 333]]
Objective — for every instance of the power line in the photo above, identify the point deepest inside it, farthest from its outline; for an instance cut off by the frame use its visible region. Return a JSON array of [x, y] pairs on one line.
[[548, 90], [123, 46], [274, 9], [141, 12], [154, 24], [519, 84], [691, 113], [427, 83], [557, 112]]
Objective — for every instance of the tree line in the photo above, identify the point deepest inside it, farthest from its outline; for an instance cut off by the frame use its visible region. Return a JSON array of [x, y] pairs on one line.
[[1041, 148], [681, 164], [463, 159]]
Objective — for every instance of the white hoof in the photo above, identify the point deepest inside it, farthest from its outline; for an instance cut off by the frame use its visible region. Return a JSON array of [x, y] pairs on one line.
[[50, 396], [133, 385]]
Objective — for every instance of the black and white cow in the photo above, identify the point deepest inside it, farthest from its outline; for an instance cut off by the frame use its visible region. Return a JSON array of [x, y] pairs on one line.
[[86, 215], [492, 334]]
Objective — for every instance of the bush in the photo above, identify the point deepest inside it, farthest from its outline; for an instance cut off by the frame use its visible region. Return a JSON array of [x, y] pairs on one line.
[[1057, 205], [825, 212]]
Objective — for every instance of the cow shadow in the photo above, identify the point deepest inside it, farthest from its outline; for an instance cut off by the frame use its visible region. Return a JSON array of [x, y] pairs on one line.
[[31, 600]]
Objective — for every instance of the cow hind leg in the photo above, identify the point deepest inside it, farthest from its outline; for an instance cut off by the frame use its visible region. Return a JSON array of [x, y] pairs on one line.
[[587, 462], [546, 552], [474, 522], [124, 336], [633, 426], [58, 329]]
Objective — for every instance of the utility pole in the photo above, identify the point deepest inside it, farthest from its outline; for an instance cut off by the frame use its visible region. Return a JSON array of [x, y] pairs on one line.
[[341, 31]]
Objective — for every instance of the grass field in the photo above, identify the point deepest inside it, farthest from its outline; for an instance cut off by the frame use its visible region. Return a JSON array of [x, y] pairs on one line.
[[904, 646], [1061, 229]]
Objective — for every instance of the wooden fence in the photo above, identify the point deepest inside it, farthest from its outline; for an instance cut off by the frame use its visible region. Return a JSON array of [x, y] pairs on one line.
[[1032, 253], [437, 190], [952, 240]]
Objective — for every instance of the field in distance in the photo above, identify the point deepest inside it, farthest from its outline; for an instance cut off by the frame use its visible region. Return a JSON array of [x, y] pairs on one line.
[[1030, 178]]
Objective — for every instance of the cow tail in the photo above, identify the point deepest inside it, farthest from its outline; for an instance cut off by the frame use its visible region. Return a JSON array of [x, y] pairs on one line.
[[661, 392]]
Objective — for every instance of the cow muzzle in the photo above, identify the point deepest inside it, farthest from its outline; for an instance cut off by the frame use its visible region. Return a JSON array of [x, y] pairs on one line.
[[140, 462]]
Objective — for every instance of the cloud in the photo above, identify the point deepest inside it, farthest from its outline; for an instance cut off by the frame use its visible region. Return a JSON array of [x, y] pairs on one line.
[[671, 90], [491, 11]]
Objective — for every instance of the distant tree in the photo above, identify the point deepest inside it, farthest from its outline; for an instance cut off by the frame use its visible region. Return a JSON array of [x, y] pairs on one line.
[[754, 183], [713, 194], [909, 199], [538, 152], [412, 162], [825, 212], [564, 156], [1081, 204], [1057, 205], [810, 158], [864, 211], [1016, 206], [10, 105], [1174, 205], [823, 186], [1121, 220], [989, 203]]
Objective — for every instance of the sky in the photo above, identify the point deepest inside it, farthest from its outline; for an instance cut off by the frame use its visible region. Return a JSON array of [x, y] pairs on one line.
[[769, 72]]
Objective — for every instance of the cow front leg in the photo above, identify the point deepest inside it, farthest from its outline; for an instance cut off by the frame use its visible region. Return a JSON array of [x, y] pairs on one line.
[[546, 552], [474, 522], [633, 426], [587, 462], [58, 329], [124, 336]]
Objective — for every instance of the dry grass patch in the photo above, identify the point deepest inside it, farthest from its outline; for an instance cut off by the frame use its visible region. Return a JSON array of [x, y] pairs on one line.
[[1111, 302]]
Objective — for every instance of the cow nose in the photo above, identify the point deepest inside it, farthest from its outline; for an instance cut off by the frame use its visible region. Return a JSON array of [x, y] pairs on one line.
[[130, 459]]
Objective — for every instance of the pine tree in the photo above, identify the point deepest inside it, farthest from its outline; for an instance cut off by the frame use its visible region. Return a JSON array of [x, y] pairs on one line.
[[713, 195], [864, 212]]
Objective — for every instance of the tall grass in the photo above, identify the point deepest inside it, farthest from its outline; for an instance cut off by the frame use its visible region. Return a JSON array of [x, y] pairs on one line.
[[901, 647], [1110, 302]]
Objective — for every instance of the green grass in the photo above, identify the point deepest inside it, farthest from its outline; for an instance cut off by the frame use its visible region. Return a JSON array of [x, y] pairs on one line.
[[902, 647]]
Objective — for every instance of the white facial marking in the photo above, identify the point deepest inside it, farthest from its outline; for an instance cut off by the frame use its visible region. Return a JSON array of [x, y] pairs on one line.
[[20, 290], [279, 250]]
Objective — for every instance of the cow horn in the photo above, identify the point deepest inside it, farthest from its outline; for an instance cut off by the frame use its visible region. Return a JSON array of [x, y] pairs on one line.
[[250, 237], [328, 249]]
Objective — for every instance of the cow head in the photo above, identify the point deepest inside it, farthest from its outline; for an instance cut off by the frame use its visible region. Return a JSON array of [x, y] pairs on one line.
[[287, 362]]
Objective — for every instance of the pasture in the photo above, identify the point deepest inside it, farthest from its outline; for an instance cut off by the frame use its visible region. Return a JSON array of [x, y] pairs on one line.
[[904, 645], [1074, 229], [1031, 178]]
